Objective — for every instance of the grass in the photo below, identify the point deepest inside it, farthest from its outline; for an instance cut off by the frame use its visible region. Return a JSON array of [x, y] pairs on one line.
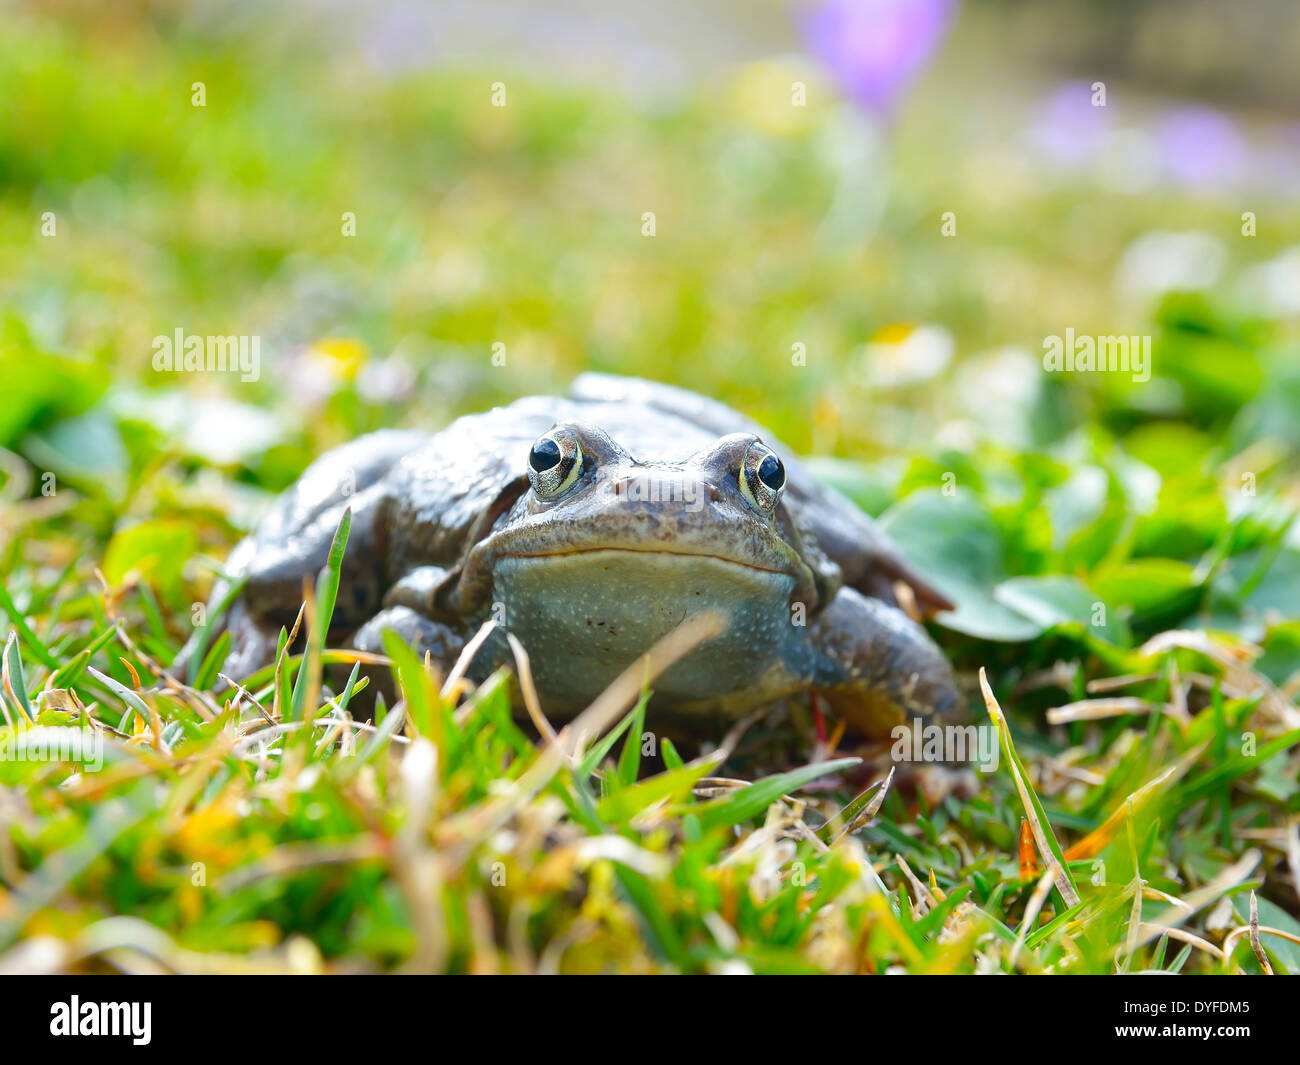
[[1122, 554], [267, 830]]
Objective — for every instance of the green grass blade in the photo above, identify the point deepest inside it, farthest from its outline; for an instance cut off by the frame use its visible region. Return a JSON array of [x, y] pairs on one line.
[[209, 627], [1043, 833], [753, 799], [131, 698], [629, 762], [596, 754], [13, 673], [207, 675], [620, 807], [24, 630], [327, 590]]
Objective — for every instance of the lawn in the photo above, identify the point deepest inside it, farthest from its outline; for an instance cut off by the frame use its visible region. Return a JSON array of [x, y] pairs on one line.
[[1122, 547]]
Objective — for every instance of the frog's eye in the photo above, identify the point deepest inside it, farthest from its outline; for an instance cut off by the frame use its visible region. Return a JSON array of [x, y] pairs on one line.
[[762, 477], [554, 463]]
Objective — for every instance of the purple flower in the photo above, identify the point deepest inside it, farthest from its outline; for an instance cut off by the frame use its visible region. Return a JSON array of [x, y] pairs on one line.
[[1071, 130], [401, 39], [1200, 146], [875, 48]]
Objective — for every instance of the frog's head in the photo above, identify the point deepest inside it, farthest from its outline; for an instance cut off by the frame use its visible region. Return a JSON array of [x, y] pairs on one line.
[[605, 553]]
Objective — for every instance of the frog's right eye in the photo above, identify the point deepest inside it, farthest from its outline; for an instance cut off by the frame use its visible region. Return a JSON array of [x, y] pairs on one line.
[[554, 463]]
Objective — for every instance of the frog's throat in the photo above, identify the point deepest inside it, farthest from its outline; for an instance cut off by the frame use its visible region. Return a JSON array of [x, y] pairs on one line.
[[584, 616]]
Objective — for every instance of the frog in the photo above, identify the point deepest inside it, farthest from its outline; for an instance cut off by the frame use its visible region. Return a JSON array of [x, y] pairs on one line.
[[587, 527]]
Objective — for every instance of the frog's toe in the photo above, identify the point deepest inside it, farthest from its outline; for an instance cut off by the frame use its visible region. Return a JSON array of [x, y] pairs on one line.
[[878, 668], [441, 643]]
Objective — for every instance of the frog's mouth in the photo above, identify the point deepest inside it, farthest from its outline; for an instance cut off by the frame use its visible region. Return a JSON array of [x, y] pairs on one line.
[[584, 615], [661, 551]]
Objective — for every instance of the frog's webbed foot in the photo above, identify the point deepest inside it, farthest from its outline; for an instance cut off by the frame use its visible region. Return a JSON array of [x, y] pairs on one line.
[[878, 668]]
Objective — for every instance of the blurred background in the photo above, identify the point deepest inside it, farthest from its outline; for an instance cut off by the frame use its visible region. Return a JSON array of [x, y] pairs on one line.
[[867, 216]]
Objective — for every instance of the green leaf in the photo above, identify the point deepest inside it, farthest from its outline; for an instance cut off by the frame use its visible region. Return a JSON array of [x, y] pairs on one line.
[[1026, 790], [866, 488], [1061, 601], [954, 542], [157, 550], [39, 385], [1159, 591], [414, 683], [86, 449]]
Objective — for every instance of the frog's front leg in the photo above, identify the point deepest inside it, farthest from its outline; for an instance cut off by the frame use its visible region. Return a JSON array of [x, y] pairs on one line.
[[441, 642], [877, 667], [418, 590], [410, 609]]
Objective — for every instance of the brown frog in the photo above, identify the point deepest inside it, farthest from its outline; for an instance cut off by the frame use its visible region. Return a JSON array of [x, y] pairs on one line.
[[589, 527]]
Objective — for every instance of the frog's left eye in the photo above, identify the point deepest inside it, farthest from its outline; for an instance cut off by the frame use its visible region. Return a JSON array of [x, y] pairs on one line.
[[554, 463], [762, 477]]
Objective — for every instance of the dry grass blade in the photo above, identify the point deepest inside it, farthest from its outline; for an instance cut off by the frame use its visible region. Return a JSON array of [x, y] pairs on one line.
[[418, 866], [1148, 892], [6, 680], [1148, 931], [1293, 854], [1255, 944], [1027, 852], [246, 694], [732, 739], [1095, 841], [528, 689], [1035, 905], [1041, 831], [925, 902], [451, 687], [1203, 896], [627, 687], [1226, 654], [1263, 930], [486, 817], [1096, 709], [295, 857], [1109, 684], [133, 945], [863, 816]]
